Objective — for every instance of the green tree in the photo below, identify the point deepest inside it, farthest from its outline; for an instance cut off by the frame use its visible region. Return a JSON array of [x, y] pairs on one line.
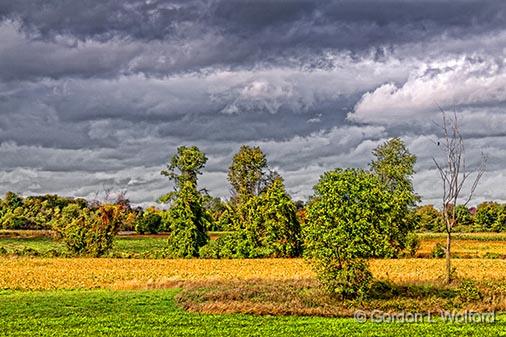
[[149, 221], [429, 219], [487, 216], [185, 166], [394, 165], [247, 173], [217, 209], [263, 226], [500, 222], [188, 218], [188, 223], [353, 216], [273, 222], [13, 200], [464, 217]]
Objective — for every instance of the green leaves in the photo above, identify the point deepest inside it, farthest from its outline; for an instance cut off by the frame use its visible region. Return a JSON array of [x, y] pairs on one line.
[[353, 216], [263, 225], [394, 164], [185, 165], [88, 231], [188, 219], [246, 174]]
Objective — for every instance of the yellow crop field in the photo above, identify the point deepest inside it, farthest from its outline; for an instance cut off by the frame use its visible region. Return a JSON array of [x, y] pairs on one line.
[[86, 273], [465, 248]]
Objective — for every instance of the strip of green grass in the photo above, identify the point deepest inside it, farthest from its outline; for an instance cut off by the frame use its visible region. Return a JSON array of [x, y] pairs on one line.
[[156, 246], [123, 246], [154, 313]]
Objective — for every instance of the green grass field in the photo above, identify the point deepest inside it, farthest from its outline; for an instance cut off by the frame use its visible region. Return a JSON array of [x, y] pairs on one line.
[[154, 313], [126, 246]]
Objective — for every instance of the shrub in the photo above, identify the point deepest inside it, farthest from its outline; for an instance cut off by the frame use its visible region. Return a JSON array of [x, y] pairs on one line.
[[346, 279], [438, 251], [231, 245], [149, 222], [468, 291], [412, 244], [88, 231]]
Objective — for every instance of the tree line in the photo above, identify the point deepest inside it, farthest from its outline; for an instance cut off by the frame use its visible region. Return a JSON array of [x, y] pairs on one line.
[[354, 214], [486, 217]]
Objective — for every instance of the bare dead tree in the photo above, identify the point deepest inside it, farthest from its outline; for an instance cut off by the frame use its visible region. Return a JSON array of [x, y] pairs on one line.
[[454, 175]]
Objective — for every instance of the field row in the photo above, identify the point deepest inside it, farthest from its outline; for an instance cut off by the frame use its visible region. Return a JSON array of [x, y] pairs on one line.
[[70, 273], [33, 243]]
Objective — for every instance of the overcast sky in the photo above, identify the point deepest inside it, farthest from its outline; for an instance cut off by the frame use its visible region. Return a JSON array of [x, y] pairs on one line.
[[98, 94]]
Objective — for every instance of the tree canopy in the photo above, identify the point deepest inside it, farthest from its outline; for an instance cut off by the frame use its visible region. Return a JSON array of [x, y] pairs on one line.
[[247, 172]]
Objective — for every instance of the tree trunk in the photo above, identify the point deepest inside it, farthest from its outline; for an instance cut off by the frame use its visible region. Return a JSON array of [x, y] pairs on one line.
[[448, 258]]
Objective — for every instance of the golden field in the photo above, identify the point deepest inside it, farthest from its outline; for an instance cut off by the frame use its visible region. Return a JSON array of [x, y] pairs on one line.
[[86, 273], [465, 248]]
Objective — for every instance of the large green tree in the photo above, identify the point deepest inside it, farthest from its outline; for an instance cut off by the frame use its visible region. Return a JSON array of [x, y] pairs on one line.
[[352, 216], [261, 214], [188, 218]]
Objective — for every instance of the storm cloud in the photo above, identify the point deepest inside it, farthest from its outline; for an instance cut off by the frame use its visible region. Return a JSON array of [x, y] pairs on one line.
[[98, 94]]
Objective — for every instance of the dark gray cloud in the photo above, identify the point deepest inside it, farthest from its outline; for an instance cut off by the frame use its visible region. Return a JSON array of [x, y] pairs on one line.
[[106, 38], [99, 93]]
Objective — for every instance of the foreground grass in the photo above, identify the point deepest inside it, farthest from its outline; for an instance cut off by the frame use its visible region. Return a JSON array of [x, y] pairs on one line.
[[154, 313]]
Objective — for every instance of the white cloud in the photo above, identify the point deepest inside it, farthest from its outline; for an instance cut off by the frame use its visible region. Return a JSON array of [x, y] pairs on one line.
[[455, 82]]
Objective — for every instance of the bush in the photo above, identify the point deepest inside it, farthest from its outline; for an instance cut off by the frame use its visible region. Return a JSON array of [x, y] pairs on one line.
[[468, 291], [439, 251], [346, 279], [412, 244], [149, 222], [232, 245], [89, 231]]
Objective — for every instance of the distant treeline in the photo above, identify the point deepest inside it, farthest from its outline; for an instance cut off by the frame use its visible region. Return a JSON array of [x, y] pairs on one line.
[[486, 217], [41, 212]]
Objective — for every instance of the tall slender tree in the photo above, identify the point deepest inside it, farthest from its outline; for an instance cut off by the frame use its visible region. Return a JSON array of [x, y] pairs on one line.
[[248, 172], [454, 175], [394, 165], [189, 219]]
